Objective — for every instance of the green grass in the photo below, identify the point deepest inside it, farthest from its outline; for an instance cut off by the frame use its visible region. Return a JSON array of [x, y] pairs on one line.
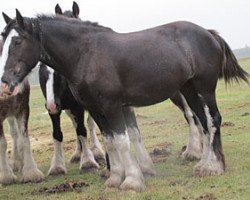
[[159, 124]]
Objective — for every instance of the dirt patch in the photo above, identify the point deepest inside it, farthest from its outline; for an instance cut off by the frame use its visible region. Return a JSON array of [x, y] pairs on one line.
[[157, 122], [227, 124], [68, 186], [243, 105], [92, 198], [208, 196], [160, 154], [138, 116], [245, 114]]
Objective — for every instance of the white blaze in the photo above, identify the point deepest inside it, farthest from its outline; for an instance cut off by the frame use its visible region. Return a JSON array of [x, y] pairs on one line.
[[5, 52]]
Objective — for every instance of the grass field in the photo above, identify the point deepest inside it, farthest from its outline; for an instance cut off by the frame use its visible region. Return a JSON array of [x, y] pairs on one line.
[[162, 126]]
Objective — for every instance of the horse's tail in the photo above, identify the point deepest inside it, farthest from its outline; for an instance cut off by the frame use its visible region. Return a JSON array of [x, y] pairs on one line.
[[230, 68]]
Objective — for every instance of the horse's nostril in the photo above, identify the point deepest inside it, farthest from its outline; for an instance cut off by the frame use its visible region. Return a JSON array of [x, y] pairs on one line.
[[12, 86], [4, 80], [57, 106]]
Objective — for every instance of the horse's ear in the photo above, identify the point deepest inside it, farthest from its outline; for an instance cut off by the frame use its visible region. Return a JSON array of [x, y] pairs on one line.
[[7, 19], [75, 9], [19, 19], [58, 9]]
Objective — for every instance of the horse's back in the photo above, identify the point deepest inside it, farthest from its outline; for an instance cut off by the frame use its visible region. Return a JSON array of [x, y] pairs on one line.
[[164, 58]]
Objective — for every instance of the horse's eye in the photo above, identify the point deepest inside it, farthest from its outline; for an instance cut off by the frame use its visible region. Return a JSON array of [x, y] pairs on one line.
[[18, 41], [3, 34]]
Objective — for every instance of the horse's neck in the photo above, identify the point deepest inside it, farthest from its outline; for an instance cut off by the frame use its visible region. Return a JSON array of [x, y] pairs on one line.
[[60, 49]]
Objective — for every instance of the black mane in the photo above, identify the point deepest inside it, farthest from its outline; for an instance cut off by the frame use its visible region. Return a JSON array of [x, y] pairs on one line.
[[72, 21]]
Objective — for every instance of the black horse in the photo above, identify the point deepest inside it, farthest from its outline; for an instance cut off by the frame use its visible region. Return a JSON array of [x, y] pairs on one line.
[[58, 97], [193, 149], [109, 71]]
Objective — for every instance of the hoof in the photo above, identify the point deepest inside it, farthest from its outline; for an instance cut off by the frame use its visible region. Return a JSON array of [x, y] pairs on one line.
[[132, 185], [34, 176], [148, 170], [89, 166], [114, 181], [75, 158], [57, 170], [209, 169], [190, 155], [105, 174], [7, 178], [98, 155]]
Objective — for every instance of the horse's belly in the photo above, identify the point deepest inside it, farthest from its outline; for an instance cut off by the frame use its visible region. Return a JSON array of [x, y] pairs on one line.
[[148, 96]]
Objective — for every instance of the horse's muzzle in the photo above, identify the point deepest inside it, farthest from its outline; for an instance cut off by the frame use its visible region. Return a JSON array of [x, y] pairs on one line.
[[52, 108], [8, 89]]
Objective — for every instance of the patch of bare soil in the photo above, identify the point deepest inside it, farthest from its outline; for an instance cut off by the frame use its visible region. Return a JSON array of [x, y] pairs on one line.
[[245, 114], [93, 198], [138, 116], [243, 105], [227, 124], [207, 196], [157, 122], [68, 186], [161, 152]]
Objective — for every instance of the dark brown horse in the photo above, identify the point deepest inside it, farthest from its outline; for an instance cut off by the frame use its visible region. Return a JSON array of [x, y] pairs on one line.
[[108, 71], [16, 110]]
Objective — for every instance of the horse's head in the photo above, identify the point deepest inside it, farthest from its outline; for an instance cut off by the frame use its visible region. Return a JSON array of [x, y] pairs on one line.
[[20, 52], [52, 83], [71, 14]]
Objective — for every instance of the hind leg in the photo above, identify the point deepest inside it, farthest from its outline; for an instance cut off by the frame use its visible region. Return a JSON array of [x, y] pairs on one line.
[[205, 108], [193, 149], [57, 165], [16, 161], [76, 157], [87, 161], [143, 157], [214, 164], [6, 174], [30, 172], [95, 145]]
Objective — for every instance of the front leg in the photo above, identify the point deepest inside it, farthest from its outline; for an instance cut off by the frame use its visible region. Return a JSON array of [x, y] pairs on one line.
[[95, 145], [57, 165], [30, 172], [87, 161], [16, 161], [6, 174]]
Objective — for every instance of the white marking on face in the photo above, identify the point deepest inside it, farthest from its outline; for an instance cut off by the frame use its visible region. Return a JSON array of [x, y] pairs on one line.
[[5, 51], [49, 86]]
